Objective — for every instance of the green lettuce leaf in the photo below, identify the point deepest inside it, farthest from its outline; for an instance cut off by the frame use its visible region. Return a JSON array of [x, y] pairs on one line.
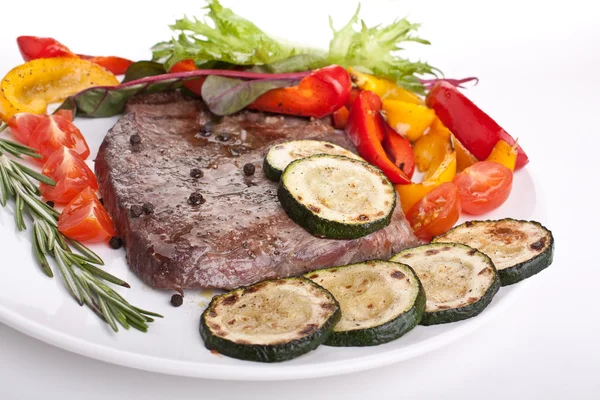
[[224, 36]]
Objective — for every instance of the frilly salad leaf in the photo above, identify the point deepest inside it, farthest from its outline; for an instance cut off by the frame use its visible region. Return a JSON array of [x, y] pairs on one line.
[[225, 36], [106, 101]]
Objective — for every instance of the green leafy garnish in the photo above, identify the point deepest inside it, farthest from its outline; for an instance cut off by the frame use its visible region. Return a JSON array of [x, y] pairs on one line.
[[227, 37]]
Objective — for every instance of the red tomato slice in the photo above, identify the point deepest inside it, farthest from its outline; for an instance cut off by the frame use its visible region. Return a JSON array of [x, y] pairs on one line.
[[85, 219], [70, 173], [436, 212], [483, 187], [22, 125], [55, 131]]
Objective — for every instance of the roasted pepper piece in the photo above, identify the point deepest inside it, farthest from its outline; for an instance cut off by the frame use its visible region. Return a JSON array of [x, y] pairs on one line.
[[385, 89], [431, 149], [194, 85], [116, 65], [340, 118], [317, 95], [366, 129], [472, 127], [34, 47], [505, 154], [410, 194], [31, 86], [399, 150], [410, 120]]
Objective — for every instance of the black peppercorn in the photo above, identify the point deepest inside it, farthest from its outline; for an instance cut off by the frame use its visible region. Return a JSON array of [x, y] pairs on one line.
[[223, 137], [148, 208], [115, 242], [196, 198], [135, 211], [176, 300], [249, 169], [50, 203], [206, 129], [196, 173], [135, 139]]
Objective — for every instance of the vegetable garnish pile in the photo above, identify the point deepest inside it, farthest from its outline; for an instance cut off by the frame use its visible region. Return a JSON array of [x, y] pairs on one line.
[[401, 117]]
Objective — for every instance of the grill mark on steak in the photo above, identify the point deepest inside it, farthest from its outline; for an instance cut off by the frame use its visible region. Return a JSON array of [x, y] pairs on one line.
[[240, 235]]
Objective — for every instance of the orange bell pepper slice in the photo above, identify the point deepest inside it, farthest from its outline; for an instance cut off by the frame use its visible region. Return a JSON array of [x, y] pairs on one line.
[[31, 86]]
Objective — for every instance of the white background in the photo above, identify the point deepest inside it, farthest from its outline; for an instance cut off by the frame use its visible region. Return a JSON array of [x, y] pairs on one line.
[[538, 63]]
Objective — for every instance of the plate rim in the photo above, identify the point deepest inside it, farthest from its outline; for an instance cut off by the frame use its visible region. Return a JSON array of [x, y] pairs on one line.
[[266, 372]]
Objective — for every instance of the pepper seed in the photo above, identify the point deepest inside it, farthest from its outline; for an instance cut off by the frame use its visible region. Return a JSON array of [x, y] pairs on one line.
[[135, 139], [206, 129], [176, 300], [195, 199], [135, 211], [249, 169], [115, 242], [148, 208], [196, 173]]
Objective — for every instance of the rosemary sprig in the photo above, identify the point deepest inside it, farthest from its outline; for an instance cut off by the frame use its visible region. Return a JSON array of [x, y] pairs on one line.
[[76, 263]]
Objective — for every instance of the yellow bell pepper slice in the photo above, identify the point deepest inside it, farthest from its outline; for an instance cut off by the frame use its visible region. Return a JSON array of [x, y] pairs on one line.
[[408, 119], [413, 192], [504, 154], [31, 86], [383, 88]]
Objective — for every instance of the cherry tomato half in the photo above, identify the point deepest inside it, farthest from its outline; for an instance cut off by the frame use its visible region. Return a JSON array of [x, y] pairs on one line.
[[483, 187], [70, 173], [436, 212], [85, 219], [22, 125], [55, 131]]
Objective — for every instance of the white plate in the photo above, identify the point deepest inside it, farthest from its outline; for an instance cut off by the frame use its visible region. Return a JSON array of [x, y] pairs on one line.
[[41, 307]]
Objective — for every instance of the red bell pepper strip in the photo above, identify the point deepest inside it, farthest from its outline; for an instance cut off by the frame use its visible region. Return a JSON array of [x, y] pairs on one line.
[[34, 47], [317, 95], [476, 130], [366, 130], [116, 65], [194, 85], [399, 150]]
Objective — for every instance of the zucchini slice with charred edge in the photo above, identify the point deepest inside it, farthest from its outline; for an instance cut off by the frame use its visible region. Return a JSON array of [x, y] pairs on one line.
[[380, 301], [281, 155], [270, 321], [336, 197], [519, 249], [459, 281]]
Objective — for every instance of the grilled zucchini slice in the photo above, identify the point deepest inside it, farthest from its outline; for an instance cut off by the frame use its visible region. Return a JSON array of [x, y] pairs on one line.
[[270, 321], [459, 281], [380, 301], [281, 155], [336, 197], [519, 249]]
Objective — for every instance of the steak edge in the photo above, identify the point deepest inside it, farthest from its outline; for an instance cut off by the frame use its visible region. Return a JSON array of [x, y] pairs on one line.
[[240, 234]]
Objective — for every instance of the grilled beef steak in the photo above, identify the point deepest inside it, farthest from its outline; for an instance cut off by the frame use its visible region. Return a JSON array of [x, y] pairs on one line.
[[208, 222]]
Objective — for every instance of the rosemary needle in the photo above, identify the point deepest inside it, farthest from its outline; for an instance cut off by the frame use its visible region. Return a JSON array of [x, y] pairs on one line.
[[78, 265]]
